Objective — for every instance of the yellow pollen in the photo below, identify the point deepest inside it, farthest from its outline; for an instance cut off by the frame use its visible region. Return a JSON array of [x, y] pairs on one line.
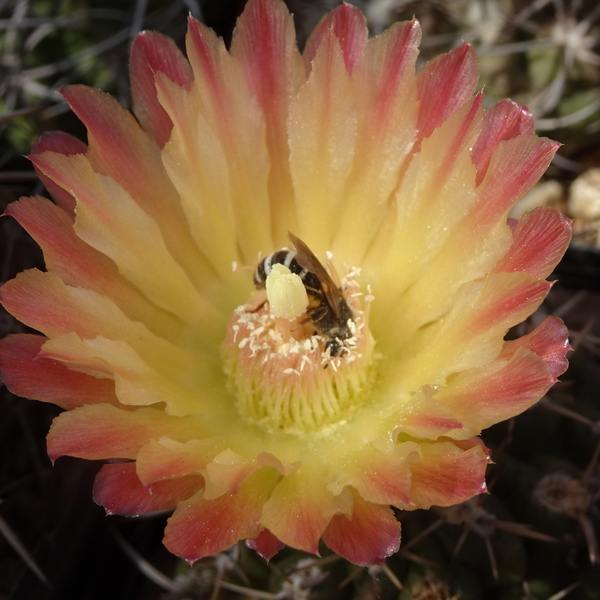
[[283, 373], [286, 293]]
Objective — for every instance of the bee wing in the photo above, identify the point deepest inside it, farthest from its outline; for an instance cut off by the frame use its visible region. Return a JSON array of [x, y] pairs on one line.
[[307, 260]]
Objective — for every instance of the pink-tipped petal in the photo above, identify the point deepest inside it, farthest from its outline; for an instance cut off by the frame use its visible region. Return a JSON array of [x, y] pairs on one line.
[[500, 391], [385, 90], [539, 242], [26, 374], [322, 138], [41, 300], [52, 228], [368, 537], [549, 340], [236, 117], [152, 53], [207, 54], [264, 44], [64, 253], [349, 26], [117, 144], [104, 213], [448, 475], [118, 488], [298, 512], [423, 417], [200, 527], [121, 149], [422, 240], [265, 544], [470, 334], [429, 426], [513, 169], [504, 121], [445, 84], [378, 477], [45, 303], [58, 141], [78, 264], [508, 301], [467, 128], [164, 459], [385, 84], [103, 431]]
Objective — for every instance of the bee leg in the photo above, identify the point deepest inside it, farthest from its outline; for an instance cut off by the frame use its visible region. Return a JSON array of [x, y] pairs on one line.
[[316, 313]]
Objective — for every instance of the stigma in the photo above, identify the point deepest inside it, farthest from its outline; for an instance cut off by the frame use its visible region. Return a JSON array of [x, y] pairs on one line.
[[286, 293]]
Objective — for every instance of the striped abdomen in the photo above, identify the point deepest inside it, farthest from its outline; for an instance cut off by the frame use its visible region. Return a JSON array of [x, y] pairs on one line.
[[286, 258]]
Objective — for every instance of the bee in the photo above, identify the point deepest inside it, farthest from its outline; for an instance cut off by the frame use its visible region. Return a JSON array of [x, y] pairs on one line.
[[328, 310]]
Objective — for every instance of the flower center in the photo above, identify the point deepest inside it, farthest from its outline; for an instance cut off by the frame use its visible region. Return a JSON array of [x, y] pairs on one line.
[[296, 365]]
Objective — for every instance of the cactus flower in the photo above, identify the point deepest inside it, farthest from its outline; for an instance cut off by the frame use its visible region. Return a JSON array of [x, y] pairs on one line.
[[367, 385]]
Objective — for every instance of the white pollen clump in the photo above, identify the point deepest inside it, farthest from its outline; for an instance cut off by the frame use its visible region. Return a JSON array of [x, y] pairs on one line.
[[286, 293]]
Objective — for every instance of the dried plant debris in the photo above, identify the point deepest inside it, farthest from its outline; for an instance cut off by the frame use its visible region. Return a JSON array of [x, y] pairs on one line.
[[584, 207]]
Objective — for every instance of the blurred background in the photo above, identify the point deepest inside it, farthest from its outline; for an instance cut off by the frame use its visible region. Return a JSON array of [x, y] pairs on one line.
[[534, 537]]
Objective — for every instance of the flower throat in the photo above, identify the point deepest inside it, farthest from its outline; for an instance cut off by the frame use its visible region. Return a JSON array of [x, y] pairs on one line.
[[302, 359]]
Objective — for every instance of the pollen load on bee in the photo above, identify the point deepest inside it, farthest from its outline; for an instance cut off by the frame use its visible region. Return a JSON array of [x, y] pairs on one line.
[[328, 310]]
